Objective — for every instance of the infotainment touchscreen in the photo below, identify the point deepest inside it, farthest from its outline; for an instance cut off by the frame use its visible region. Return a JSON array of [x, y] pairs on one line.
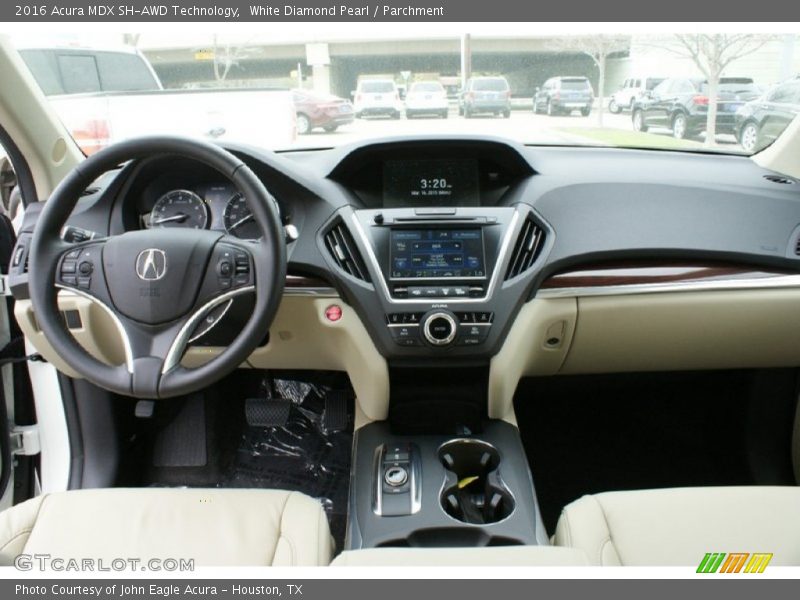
[[430, 182], [437, 253]]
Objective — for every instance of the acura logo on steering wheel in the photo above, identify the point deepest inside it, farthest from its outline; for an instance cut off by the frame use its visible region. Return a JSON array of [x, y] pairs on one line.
[[151, 264]]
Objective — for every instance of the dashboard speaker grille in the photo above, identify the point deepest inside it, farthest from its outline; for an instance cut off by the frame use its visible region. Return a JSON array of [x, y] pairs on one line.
[[527, 248], [342, 248]]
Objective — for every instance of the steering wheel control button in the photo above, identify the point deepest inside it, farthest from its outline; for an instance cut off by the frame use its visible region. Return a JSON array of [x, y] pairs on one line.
[[85, 282], [68, 266], [225, 269], [395, 476], [439, 328], [85, 268]]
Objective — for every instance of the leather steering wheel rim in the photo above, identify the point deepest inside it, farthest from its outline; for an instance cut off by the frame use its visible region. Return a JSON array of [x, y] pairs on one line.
[[138, 378]]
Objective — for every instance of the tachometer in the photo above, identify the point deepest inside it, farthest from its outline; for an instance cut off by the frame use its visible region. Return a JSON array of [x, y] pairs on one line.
[[180, 208], [239, 219]]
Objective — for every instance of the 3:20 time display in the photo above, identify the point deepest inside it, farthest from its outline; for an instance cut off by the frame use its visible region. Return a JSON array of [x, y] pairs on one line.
[[434, 184]]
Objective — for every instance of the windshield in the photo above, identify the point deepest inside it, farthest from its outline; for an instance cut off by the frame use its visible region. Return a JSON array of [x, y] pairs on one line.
[[490, 85], [574, 84], [508, 82], [377, 87], [427, 87]]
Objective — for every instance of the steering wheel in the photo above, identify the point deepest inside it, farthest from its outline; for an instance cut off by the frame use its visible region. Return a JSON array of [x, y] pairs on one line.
[[157, 285]]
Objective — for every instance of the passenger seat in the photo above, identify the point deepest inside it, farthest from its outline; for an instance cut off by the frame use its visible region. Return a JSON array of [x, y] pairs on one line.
[[677, 527]]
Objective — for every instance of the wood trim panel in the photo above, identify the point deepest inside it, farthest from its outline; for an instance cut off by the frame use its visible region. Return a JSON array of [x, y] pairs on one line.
[[654, 272]]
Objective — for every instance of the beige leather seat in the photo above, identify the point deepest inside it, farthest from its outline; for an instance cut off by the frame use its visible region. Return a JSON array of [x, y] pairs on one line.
[[214, 527], [496, 556], [679, 526]]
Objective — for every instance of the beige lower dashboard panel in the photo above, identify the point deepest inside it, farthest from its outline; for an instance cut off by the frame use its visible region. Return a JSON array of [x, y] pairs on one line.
[[98, 333], [536, 344], [664, 331], [301, 337], [686, 331]]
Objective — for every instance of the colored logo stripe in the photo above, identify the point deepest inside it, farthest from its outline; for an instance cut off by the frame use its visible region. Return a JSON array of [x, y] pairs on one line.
[[721, 562], [758, 562]]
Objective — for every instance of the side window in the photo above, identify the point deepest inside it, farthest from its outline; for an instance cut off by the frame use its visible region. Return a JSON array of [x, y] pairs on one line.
[[79, 73], [662, 87], [784, 93], [637, 83], [44, 69], [120, 72]]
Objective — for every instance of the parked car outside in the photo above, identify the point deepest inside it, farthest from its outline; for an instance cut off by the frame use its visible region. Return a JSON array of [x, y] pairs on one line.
[[426, 98], [681, 104], [377, 97], [631, 90], [564, 95], [485, 95], [314, 110], [103, 94], [760, 121]]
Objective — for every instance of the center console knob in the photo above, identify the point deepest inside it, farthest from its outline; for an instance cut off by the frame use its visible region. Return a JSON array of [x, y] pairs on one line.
[[439, 328], [395, 476]]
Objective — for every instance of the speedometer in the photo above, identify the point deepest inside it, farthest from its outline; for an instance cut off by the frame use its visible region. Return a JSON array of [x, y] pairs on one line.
[[179, 208], [239, 219]]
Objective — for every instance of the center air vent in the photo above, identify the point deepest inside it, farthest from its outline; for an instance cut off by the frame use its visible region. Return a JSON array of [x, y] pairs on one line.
[[527, 248], [779, 179], [342, 248]]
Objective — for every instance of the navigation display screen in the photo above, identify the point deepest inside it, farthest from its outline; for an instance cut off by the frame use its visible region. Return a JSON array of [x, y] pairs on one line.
[[437, 253], [434, 182]]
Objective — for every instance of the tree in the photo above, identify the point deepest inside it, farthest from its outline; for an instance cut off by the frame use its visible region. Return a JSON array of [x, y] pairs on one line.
[[227, 56], [131, 39], [712, 54], [598, 48]]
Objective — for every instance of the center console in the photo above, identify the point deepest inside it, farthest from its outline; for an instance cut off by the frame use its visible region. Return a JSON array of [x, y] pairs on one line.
[[442, 491], [437, 251]]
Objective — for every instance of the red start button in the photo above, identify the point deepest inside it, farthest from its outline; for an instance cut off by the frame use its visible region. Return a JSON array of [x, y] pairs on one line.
[[333, 312]]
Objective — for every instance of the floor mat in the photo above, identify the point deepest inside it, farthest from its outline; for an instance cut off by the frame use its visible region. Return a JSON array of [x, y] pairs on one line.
[[310, 453], [590, 434], [303, 454]]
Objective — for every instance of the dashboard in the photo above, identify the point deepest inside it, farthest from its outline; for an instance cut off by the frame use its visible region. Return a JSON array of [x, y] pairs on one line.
[[439, 243]]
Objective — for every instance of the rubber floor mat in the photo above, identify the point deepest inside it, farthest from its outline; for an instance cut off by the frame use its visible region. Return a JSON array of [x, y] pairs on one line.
[[301, 455]]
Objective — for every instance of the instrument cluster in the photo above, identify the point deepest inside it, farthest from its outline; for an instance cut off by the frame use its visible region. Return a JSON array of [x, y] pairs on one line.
[[217, 206]]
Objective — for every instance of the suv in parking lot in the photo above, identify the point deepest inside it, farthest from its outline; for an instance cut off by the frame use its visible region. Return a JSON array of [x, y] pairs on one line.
[[631, 90], [377, 97], [563, 95], [681, 104], [760, 121], [426, 98], [485, 95]]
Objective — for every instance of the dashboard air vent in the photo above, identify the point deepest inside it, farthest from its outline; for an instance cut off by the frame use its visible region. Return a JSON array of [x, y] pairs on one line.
[[779, 179], [342, 248], [527, 248]]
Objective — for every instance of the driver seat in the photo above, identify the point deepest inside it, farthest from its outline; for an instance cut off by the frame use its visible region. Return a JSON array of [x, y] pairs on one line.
[[215, 527]]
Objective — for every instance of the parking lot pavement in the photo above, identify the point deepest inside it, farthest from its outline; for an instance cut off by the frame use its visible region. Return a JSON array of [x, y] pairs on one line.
[[522, 126]]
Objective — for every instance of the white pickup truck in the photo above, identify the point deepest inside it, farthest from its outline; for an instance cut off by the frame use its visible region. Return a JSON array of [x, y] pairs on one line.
[[103, 96]]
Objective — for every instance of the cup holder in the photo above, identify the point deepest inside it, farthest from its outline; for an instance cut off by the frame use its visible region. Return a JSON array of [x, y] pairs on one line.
[[473, 491]]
